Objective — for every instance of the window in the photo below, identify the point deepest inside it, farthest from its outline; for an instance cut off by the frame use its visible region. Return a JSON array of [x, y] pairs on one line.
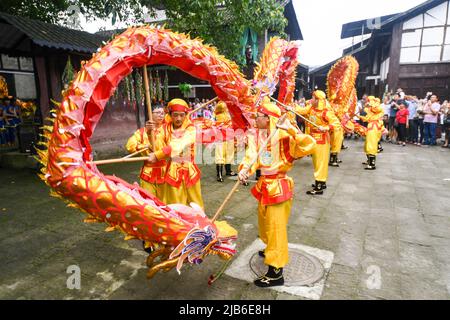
[[426, 37], [416, 22], [10, 62], [431, 54], [432, 36], [26, 64], [412, 39], [446, 56], [409, 55], [436, 16]]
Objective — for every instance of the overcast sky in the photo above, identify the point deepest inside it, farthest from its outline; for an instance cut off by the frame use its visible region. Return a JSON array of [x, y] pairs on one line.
[[321, 23]]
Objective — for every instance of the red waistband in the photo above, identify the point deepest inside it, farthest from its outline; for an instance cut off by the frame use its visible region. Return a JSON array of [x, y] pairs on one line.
[[275, 176]]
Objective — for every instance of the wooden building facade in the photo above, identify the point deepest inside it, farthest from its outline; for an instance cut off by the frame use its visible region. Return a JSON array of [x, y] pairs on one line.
[[409, 50]]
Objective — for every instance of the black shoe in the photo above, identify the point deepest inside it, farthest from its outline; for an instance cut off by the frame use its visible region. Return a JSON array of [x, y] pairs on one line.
[[371, 163], [380, 148], [333, 160], [228, 171], [219, 168], [367, 162], [267, 282], [317, 189], [335, 165], [274, 277], [149, 250], [324, 186], [258, 175], [261, 254], [315, 192]]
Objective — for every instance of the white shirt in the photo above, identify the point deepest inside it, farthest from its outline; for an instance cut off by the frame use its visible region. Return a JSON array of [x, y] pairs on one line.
[[386, 108]]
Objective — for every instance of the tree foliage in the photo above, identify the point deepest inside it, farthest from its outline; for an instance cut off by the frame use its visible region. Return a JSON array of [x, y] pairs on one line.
[[57, 11], [220, 23]]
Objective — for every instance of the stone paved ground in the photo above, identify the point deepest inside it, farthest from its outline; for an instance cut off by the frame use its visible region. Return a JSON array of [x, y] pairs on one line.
[[394, 222]]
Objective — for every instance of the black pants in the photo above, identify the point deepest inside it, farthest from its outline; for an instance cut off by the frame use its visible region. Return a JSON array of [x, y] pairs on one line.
[[413, 131], [401, 132], [421, 130]]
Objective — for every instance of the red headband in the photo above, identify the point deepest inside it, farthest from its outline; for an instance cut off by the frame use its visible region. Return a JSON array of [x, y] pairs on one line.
[[178, 107]]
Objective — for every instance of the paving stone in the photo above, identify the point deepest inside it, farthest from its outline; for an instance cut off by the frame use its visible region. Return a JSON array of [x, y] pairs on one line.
[[396, 218]]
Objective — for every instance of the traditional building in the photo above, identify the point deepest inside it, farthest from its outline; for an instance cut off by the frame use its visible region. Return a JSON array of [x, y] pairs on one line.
[[33, 57], [408, 50]]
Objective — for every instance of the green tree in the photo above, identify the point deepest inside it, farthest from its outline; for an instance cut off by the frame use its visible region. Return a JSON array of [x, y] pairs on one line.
[[222, 23], [218, 22], [57, 11]]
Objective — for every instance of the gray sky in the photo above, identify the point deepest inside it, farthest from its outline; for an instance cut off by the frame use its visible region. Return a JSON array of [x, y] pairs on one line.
[[321, 23]]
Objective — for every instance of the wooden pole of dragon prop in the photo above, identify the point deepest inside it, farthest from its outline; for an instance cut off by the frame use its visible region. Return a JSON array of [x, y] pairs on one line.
[[202, 106], [149, 104], [290, 109]]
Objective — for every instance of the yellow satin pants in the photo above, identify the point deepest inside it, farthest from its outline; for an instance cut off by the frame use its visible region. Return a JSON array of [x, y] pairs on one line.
[[320, 158], [154, 188], [183, 195], [272, 222], [337, 137], [371, 143], [225, 152]]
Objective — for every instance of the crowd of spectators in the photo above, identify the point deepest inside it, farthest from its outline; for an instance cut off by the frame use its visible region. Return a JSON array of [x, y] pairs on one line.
[[415, 121]]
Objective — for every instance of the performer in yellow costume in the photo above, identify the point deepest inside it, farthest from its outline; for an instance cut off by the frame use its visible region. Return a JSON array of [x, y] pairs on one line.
[[274, 190], [375, 128], [177, 136], [336, 140], [319, 112], [152, 174], [224, 154]]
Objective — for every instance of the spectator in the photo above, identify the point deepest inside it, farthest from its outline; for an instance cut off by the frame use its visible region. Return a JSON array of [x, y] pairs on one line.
[[447, 128], [420, 117], [362, 112], [207, 114], [387, 108], [401, 118], [11, 113], [413, 123], [441, 118], [431, 112], [401, 93], [392, 114]]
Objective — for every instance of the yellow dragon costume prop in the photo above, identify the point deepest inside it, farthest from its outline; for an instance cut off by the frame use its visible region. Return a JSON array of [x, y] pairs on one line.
[[180, 233]]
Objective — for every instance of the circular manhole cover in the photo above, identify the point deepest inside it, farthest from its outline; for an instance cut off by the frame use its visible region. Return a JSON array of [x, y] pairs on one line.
[[302, 270]]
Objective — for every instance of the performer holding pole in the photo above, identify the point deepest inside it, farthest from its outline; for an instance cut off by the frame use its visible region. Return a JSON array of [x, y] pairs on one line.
[[325, 121], [152, 174], [224, 152], [375, 128], [274, 190], [148, 103], [336, 141], [182, 177]]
